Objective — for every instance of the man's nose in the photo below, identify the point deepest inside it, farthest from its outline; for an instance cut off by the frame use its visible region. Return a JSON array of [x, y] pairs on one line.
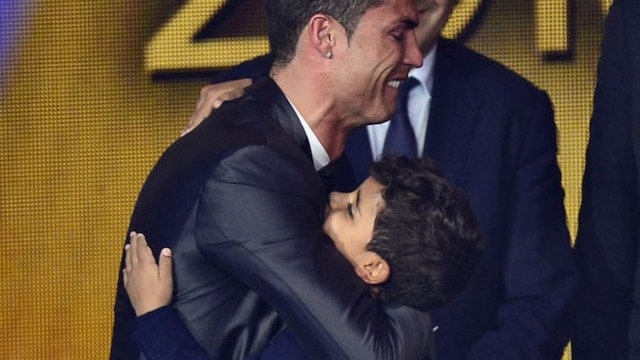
[[413, 56]]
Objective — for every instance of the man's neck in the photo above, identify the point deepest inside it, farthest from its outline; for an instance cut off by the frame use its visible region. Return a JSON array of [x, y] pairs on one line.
[[311, 96]]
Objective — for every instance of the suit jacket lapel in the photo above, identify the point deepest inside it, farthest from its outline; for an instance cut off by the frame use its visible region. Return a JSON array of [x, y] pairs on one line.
[[452, 114], [290, 134], [273, 101]]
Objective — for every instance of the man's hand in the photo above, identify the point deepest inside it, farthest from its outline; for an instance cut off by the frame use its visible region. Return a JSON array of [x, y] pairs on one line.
[[148, 285], [212, 96]]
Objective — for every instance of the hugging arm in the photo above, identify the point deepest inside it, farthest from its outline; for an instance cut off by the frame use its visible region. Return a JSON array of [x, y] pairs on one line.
[[259, 220], [160, 332]]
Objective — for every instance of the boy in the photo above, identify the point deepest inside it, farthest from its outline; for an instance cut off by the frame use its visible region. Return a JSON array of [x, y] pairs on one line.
[[407, 232]]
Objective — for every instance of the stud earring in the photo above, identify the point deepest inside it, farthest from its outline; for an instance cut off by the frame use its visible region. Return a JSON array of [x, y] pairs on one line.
[[328, 55]]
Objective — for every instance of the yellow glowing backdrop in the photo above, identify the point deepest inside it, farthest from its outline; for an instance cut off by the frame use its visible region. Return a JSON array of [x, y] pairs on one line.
[[83, 120]]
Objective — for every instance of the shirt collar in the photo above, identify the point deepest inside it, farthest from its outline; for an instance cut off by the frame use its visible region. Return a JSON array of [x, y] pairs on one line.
[[424, 74], [318, 153]]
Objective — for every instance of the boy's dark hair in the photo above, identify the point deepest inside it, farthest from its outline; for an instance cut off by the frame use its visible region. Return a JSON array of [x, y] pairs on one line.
[[287, 18], [426, 231]]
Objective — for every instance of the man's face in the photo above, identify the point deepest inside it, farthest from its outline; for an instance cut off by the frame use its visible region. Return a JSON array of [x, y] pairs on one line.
[[350, 218], [433, 15], [379, 55]]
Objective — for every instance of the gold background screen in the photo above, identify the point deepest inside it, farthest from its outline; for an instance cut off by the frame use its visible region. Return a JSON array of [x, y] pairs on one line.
[[94, 91]]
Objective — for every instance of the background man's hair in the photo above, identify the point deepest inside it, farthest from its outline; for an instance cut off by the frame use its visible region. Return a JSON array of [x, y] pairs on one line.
[[426, 231], [287, 18]]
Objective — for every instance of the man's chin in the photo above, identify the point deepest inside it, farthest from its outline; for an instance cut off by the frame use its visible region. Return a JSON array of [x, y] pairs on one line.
[[386, 113], [377, 113], [387, 118]]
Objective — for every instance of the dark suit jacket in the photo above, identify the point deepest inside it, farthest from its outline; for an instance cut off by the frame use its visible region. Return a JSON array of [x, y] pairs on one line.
[[240, 204], [607, 245]]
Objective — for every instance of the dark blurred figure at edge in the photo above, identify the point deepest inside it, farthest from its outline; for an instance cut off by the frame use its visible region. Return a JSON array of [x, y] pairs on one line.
[[608, 312]]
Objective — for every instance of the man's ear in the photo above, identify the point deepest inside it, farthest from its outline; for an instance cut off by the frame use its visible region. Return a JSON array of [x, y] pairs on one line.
[[373, 269], [322, 30]]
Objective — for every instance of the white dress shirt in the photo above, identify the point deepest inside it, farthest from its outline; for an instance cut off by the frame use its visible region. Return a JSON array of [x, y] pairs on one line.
[[418, 107], [318, 152]]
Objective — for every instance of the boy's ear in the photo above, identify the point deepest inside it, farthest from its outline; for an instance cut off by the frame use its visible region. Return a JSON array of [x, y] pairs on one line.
[[373, 269]]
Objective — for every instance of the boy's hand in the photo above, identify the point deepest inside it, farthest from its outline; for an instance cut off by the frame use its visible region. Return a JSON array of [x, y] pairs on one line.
[[148, 285], [211, 97]]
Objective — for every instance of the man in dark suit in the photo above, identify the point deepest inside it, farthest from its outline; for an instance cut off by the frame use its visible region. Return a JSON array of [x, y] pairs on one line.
[[494, 135], [608, 317], [240, 203]]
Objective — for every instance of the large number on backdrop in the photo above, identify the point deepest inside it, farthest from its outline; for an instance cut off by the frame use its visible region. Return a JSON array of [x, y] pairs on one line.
[[174, 48]]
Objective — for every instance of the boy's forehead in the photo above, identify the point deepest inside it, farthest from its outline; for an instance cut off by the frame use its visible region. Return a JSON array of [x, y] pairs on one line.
[[372, 189]]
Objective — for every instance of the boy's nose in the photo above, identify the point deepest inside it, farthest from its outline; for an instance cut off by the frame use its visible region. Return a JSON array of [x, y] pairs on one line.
[[337, 200]]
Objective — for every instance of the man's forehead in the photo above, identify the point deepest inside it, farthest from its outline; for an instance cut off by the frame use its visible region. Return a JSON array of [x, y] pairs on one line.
[[396, 11]]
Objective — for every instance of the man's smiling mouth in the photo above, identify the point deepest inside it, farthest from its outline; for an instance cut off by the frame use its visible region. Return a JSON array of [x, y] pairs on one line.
[[394, 83]]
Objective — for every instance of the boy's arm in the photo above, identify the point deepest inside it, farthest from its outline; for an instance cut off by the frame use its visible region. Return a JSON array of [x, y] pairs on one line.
[[160, 333], [259, 220], [289, 262]]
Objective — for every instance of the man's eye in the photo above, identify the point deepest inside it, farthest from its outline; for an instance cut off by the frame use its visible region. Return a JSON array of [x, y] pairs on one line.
[[398, 37]]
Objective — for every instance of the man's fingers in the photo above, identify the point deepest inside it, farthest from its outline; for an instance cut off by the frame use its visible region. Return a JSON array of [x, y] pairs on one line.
[[229, 95], [201, 97], [214, 90], [133, 248], [205, 106], [231, 90], [198, 116], [145, 255], [165, 265], [241, 83], [142, 241], [127, 258], [211, 97]]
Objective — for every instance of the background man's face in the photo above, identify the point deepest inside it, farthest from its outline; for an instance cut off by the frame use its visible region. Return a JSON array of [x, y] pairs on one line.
[[433, 17], [377, 58]]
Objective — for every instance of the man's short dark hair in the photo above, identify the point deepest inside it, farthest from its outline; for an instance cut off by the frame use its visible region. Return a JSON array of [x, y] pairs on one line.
[[287, 18], [426, 231]]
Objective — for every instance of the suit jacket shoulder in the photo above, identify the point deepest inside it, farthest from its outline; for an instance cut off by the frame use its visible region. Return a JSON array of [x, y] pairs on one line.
[[480, 72]]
